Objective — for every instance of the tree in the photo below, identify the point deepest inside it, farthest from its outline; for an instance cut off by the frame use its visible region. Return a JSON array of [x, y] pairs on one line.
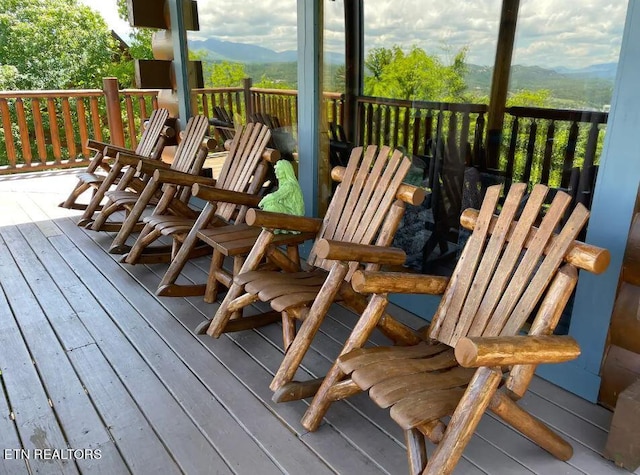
[[378, 59], [414, 75], [227, 74], [53, 44]]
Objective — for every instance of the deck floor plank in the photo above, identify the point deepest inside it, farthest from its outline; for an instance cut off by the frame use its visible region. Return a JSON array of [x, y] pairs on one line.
[[10, 462], [35, 313], [35, 419], [120, 414], [171, 371]]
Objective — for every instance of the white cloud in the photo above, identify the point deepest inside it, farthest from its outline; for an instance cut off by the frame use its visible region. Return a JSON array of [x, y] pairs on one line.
[[572, 33], [109, 11]]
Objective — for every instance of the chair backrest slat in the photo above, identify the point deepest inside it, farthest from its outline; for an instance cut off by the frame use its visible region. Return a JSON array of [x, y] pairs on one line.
[[151, 133], [446, 317], [527, 266], [361, 204], [354, 178], [361, 191], [506, 267], [240, 167], [491, 257], [185, 158]]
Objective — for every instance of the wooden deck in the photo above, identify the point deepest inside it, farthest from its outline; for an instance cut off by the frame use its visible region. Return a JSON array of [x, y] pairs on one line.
[[91, 359]]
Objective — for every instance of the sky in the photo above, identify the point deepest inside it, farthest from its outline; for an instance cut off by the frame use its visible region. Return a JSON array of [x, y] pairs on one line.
[[550, 33]]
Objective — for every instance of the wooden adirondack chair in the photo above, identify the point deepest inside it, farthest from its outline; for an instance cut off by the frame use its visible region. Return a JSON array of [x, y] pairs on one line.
[[152, 141], [366, 208], [189, 158], [471, 356], [236, 188], [223, 125]]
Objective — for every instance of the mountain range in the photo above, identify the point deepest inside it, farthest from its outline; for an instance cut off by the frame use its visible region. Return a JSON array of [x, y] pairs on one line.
[[219, 50]]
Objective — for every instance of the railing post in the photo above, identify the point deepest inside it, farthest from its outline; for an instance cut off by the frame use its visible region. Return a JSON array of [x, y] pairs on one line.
[[114, 112], [248, 102]]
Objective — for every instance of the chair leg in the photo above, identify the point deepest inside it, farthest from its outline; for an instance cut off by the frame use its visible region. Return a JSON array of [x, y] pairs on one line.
[[213, 284], [80, 188], [360, 334], [222, 316], [416, 451], [530, 426], [296, 351], [168, 282], [464, 421], [288, 330], [129, 224], [102, 217], [146, 237], [97, 197]]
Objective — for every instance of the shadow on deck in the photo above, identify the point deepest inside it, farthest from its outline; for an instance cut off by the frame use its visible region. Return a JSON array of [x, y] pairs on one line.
[[92, 360]]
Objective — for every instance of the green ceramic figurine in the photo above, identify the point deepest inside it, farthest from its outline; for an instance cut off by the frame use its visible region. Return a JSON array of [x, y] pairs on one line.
[[288, 197]]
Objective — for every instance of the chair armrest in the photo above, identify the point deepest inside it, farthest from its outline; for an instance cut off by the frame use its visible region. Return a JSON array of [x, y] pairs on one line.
[[289, 222], [128, 158], [96, 145], [175, 177], [370, 282], [226, 196], [113, 150], [347, 251], [144, 164], [515, 350]]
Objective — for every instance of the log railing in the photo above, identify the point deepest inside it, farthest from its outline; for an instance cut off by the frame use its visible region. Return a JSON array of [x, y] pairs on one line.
[[557, 147], [248, 100], [415, 126], [49, 129]]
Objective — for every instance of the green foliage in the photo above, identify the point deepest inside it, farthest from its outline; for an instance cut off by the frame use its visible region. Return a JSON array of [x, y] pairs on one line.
[[414, 75], [9, 75], [268, 83], [227, 74], [53, 44], [377, 60], [539, 98]]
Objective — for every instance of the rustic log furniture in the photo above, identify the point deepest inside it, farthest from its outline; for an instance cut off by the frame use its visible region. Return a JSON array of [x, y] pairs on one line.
[[151, 144], [189, 158], [471, 356], [366, 208], [236, 189]]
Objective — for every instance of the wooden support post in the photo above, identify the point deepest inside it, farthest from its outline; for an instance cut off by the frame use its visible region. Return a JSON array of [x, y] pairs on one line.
[[114, 112], [354, 60], [247, 83], [500, 80]]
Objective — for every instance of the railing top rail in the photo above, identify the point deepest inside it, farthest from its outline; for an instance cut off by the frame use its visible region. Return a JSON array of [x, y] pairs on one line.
[[52, 93], [444, 106], [558, 114], [280, 92], [206, 90], [139, 92]]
